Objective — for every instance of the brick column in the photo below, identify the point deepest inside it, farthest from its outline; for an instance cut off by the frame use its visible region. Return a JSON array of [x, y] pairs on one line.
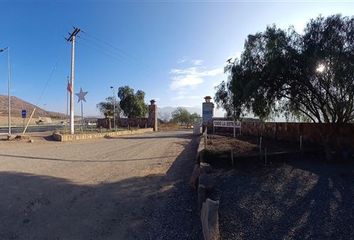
[[152, 119]]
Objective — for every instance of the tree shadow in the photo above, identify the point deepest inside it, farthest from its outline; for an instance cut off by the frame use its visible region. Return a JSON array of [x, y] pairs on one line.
[[150, 207], [299, 199]]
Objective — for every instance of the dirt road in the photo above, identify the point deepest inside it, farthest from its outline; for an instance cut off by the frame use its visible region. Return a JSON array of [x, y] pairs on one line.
[[132, 187]]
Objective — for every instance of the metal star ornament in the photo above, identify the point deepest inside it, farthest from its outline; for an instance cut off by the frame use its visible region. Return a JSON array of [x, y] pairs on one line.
[[81, 95]]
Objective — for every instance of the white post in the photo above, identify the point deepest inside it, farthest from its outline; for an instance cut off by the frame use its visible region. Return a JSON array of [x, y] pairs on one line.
[[67, 104], [8, 90], [29, 120], [114, 111], [82, 115], [72, 113]]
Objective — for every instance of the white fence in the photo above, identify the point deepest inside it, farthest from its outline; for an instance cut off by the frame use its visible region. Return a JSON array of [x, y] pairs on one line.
[[227, 124]]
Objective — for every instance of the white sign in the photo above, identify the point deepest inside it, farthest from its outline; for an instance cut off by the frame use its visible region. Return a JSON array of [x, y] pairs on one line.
[[231, 124]]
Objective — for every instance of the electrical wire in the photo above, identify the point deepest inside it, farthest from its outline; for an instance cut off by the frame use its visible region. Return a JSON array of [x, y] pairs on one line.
[[48, 80], [129, 57]]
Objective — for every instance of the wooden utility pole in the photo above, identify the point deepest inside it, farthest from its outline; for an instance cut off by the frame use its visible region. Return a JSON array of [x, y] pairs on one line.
[[72, 39]]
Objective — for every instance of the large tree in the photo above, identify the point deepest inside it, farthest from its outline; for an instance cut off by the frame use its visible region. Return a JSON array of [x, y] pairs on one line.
[[307, 75], [107, 107], [182, 116], [132, 104]]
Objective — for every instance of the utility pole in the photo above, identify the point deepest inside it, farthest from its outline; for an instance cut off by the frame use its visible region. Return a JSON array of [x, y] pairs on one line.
[[114, 109], [8, 89], [72, 39], [67, 102]]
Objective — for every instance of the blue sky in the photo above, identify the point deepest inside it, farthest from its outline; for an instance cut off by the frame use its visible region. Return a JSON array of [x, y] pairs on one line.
[[174, 51]]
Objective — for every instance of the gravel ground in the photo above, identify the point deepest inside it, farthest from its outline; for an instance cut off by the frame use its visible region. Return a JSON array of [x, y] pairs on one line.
[[133, 187], [293, 200]]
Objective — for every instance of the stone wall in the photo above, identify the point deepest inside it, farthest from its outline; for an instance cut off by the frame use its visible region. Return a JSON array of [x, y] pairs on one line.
[[149, 122], [316, 133], [123, 123], [86, 136]]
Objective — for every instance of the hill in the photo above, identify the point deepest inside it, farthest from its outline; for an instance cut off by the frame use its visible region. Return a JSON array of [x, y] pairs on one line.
[[17, 105]]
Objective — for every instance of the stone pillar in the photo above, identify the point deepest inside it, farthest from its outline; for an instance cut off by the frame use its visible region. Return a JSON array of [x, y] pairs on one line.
[[152, 119], [208, 112]]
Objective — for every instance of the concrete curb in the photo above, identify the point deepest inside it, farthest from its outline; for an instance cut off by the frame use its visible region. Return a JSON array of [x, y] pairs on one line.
[[84, 136], [203, 183]]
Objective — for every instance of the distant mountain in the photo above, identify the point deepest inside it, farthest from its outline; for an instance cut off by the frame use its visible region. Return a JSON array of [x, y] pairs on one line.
[[165, 113], [17, 105]]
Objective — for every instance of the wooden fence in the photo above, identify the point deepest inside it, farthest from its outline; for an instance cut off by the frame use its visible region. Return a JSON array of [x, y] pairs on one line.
[[318, 133]]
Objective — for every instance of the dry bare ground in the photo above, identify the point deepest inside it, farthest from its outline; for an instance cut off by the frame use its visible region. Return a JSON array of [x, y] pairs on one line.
[[296, 199], [132, 187]]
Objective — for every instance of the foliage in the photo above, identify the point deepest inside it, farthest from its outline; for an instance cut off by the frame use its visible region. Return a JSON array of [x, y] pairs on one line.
[[107, 107], [182, 116], [132, 104], [309, 76]]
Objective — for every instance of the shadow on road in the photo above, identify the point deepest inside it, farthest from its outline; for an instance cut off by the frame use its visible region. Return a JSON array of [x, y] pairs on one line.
[[84, 161], [150, 207]]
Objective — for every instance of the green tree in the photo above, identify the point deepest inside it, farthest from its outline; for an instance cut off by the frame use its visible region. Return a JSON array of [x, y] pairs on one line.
[[132, 104], [183, 117], [194, 118], [107, 107], [309, 76]]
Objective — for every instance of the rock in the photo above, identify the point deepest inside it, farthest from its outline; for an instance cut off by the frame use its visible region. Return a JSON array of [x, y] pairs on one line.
[[22, 137], [210, 219], [194, 178], [207, 181], [205, 168]]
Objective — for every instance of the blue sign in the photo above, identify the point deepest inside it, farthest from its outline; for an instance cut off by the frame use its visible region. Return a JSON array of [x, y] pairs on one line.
[[24, 113], [208, 112]]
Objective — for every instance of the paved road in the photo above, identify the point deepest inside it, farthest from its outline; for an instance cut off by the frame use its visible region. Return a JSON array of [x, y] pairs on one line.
[[121, 188]]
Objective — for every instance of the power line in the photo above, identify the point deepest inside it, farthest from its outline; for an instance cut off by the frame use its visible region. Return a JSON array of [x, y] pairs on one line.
[[142, 64], [48, 80], [100, 50], [109, 53]]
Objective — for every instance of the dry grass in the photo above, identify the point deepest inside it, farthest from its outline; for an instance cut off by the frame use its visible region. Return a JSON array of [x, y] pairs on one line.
[[246, 144]]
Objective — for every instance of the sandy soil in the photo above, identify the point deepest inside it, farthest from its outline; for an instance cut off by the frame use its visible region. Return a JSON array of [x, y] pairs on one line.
[[122, 188]]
